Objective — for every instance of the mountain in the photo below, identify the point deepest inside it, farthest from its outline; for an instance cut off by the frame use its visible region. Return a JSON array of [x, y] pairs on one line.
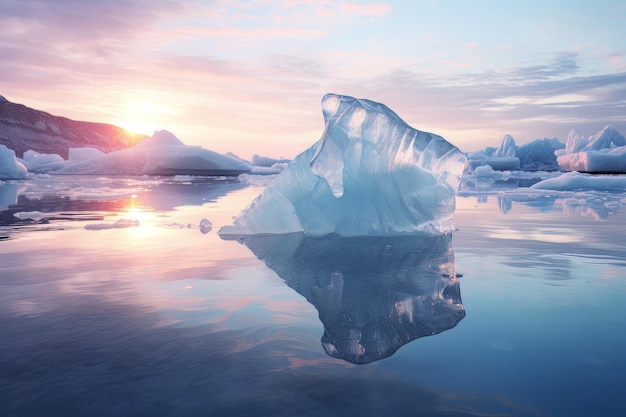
[[23, 128]]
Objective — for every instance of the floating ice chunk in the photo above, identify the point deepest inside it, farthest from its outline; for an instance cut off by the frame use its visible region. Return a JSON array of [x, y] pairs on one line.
[[29, 215], [604, 152], [119, 224], [10, 167], [579, 181], [41, 163], [205, 226], [369, 174]]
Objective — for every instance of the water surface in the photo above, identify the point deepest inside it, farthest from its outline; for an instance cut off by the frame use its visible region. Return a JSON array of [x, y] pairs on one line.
[[114, 301]]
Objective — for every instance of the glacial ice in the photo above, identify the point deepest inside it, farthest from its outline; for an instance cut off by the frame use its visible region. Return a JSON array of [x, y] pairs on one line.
[[10, 167], [538, 155], [369, 174], [604, 152], [41, 163], [502, 158]]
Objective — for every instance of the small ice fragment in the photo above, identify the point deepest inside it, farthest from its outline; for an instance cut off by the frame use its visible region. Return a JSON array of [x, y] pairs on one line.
[[205, 226], [29, 215]]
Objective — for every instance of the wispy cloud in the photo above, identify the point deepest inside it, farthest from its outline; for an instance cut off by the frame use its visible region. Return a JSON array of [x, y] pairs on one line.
[[239, 32]]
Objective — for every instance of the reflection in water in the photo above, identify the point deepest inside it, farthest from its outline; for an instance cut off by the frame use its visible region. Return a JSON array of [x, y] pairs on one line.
[[373, 294], [87, 194]]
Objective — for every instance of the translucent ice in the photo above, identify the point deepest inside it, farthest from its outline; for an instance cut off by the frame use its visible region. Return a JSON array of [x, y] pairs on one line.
[[369, 174], [10, 167]]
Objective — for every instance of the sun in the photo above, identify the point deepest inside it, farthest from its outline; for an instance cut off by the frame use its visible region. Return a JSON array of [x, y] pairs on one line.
[[140, 116], [138, 126]]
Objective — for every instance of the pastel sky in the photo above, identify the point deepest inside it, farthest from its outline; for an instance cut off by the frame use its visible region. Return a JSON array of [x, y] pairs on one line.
[[248, 76]]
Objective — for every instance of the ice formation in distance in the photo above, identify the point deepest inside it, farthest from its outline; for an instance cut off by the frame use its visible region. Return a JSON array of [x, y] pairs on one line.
[[369, 174], [571, 181], [604, 152], [161, 154], [10, 167], [502, 158], [537, 155]]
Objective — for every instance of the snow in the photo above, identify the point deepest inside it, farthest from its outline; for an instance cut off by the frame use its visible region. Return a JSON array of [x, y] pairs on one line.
[[161, 154], [604, 152], [369, 174], [10, 167], [582, 181]]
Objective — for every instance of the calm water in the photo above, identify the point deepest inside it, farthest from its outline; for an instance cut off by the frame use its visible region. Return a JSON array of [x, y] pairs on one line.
[[115, 302]]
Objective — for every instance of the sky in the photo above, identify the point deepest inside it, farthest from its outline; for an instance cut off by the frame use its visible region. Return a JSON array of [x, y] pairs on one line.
[[247, 76]]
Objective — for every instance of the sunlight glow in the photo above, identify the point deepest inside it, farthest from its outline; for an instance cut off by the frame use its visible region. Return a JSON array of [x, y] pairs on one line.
[[141, 116]]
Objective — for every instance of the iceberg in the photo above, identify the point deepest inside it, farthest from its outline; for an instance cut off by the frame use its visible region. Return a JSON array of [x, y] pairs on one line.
[[538, 155], [571, 181], [502, 158], [373, 294], [41, 163], [10, 167], [370, 174], [604, 152], [161, 154]]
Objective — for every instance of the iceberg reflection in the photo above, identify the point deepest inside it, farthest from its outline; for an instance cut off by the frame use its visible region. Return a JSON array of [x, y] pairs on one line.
[[373, 294]]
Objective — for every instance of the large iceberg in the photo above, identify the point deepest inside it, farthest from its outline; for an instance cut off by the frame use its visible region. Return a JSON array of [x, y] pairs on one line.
[[604, 152], [10, 167], [161, 154], [369, 174]]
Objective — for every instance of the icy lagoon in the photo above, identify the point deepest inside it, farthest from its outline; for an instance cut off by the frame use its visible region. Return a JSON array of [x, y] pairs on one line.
[[161, 317]]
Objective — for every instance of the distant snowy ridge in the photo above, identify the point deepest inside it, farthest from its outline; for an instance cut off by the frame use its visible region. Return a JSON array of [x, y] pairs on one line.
[[23, 129]]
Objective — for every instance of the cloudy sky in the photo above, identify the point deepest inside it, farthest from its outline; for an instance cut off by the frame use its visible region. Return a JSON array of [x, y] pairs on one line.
[[248, 76]]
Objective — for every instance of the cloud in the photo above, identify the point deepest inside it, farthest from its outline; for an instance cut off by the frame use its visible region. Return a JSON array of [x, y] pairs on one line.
[[239, 32]]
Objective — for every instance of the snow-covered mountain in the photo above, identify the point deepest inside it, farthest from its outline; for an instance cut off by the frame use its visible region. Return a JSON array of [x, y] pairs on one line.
[[23, 128]]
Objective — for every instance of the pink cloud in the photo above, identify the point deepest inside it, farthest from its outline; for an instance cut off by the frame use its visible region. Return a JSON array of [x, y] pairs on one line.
[[239, 32]]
